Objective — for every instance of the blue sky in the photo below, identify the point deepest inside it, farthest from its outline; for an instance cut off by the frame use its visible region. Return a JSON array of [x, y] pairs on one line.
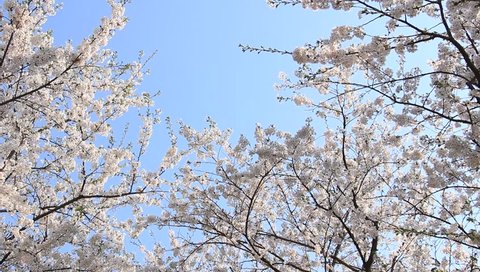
[[199, 68]]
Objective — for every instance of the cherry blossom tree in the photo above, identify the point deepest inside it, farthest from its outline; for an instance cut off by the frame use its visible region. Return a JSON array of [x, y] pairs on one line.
[[64, 173], [390, 182]]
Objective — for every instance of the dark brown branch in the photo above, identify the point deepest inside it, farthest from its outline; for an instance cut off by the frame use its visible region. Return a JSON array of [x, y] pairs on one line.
[[6, 49], [46, 84]]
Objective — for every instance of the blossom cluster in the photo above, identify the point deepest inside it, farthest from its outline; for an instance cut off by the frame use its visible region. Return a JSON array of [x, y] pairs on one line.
[[63, 170]]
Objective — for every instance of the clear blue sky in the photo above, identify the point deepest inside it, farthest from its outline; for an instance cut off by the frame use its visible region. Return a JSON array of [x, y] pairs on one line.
[[199, 68]]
